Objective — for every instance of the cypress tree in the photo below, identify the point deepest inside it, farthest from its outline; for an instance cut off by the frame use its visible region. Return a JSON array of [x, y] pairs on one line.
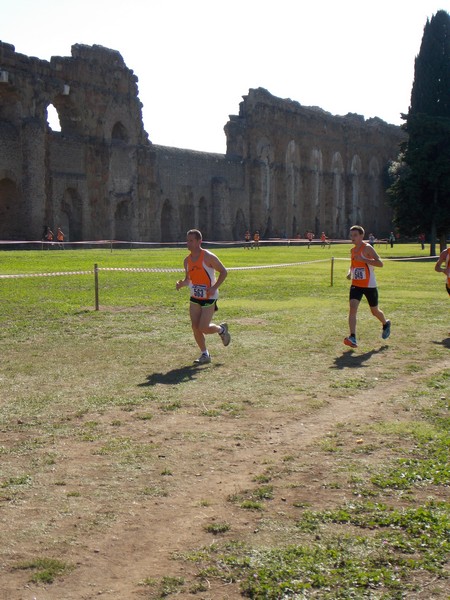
[[420, 190]]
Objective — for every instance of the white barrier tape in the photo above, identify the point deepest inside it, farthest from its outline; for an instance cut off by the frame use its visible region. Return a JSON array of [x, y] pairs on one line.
[[56, 274], [173, 270], [399, 259], [141, 269], [153, 270], [296, 264]]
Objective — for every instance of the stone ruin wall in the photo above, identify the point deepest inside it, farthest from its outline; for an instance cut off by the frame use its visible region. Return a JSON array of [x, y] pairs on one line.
[[287, 168]]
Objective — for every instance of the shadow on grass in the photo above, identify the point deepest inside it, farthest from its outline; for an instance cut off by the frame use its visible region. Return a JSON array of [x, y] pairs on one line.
[[445, 342], [350, 360], [175, 376]]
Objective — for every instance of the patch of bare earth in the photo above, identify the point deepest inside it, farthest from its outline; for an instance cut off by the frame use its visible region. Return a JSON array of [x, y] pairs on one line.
[[120, 523]]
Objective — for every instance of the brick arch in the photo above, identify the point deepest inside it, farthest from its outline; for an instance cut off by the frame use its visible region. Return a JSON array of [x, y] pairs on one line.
[[316, 182], [293, 189], [119, 132], [374, 194], [338, 202], [355, 212], [203, 216], [123, 219], [69, 116], [239, 226], [265, 155], [70, 217], [167, 221], [13, 222]]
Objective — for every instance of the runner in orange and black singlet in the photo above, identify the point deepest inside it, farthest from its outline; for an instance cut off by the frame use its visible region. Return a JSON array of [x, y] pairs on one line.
[[363, 260], [200, 276]]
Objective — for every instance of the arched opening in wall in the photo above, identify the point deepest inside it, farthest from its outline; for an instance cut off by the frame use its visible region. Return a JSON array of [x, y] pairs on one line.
[[239, 226], [72, 215], [187, 217], [266, 158], [122, 220], [13, 221], [53, 119], [292, 187], [374, 195], [355, 216], [295, 230], [268, 232], [63, 115], [316, 166], [167, 222], [203, 217], [337, 169], [119, 132]]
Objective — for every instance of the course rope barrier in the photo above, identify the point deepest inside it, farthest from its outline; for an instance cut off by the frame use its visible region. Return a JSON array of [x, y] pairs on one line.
[[54, 274], [400, 258], [153, 269]]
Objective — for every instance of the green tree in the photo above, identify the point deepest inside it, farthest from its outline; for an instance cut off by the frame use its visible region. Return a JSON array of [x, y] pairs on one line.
[[420, 179]]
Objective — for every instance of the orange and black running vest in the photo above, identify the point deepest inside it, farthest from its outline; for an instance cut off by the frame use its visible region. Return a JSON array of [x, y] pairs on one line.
[[201, 277]]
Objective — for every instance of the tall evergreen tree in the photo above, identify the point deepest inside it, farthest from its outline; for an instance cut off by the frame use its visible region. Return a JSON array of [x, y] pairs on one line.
[[420, 190]]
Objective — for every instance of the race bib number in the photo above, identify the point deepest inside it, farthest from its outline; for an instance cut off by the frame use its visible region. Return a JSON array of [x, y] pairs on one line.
[[359, 273], [199, 291]]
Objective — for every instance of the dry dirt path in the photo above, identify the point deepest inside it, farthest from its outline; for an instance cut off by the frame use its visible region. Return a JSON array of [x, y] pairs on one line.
[[210, 459]]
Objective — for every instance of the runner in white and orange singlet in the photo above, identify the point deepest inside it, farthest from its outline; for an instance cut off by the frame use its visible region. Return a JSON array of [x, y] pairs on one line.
[[200, 267], [361, 272], [443, 266]]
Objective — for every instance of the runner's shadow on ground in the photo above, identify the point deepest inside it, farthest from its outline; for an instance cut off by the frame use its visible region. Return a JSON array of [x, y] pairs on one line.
[[175, 376], [445, 342], [350, 360]]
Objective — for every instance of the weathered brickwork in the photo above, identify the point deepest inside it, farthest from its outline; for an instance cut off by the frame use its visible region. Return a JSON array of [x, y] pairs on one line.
[[287, 168]]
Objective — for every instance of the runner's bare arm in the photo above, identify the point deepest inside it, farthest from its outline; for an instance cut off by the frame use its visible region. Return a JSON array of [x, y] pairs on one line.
[[214, 262], [371, 257], [440, 266], [183, 282]]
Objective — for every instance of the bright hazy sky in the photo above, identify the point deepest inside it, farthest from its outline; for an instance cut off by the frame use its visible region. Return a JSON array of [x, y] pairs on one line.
[[195, 59]]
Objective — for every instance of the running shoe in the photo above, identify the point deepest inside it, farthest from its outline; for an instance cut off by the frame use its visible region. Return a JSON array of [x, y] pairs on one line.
[[350, 341], [225, 335], [203, 359], [386, 330]]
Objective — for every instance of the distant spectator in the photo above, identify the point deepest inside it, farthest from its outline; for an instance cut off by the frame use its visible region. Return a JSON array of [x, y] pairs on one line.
[[324, 241], [60, 238], [391, 239], [256, 239], [248, 240], [47, 235], [422, 240], [309, 237], [371, 239]]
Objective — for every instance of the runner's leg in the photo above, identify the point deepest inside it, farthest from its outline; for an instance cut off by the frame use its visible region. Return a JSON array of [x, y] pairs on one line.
[[195, 311], [354, 304], [378, 314], [204, 324]]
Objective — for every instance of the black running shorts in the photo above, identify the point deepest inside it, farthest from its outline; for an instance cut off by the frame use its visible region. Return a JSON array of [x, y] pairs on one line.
[[356, 293], [205, 303]]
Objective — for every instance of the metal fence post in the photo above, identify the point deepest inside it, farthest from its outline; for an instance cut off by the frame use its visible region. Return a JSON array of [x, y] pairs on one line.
[[96, 285]]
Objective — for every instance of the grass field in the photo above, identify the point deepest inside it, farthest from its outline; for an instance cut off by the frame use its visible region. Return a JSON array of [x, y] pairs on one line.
[[291, 467]]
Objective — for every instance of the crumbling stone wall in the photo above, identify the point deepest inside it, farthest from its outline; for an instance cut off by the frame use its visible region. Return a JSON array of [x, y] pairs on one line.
[[310, 170], [287, 168]]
